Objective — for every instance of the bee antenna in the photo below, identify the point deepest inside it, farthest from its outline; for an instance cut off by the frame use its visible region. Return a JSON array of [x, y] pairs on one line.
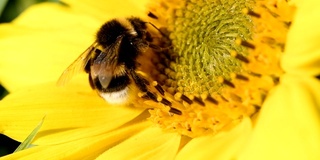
[[163, 34]]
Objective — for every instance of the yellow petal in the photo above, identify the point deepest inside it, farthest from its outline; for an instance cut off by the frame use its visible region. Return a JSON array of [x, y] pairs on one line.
[[66, 109], [85, 148], [99, 8], [302, 53], [289, 124], [152, 143], [41, 43], [224, 145]]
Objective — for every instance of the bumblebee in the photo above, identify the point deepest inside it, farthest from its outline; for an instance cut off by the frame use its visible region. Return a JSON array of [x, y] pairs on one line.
[[111, 61]]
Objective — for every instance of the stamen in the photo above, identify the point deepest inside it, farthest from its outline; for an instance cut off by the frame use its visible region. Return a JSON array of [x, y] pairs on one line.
[[245, 43], [257, 109], [239, 76], [288, 24], [235, 97], [226, 82], [239, 57], [144, 96], [166, 102], [175, 111], [158, 87], [211, 99], [223, 98], [199, 101], [170, 90], [275, 79], [151, 15], [255, 74], [152, 96], [186, 99], [251, 13]]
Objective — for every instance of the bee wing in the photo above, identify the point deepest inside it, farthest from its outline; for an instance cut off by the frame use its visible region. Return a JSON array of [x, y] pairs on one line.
[[104, 65], [76, 67], [106, 62], [105, 74]]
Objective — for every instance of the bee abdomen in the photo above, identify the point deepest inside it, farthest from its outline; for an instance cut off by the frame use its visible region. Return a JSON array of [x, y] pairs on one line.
[[117, 84]]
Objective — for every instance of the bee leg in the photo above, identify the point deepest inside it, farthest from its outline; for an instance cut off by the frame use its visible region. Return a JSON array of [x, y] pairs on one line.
[[140, 81], [142, 85], [158, 43], [151, 39], [158, 48], [163, 31]]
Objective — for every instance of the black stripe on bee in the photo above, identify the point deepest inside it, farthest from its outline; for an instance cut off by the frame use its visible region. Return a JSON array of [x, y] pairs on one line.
[[116, 84]]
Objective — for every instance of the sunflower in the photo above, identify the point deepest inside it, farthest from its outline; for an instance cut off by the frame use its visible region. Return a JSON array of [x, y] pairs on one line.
[[240, 79]]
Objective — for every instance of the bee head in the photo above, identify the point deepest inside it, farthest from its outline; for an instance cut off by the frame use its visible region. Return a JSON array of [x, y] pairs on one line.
[[110, 31]]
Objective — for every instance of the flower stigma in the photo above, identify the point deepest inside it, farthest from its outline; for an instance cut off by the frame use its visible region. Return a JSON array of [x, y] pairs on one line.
[[217, 62]]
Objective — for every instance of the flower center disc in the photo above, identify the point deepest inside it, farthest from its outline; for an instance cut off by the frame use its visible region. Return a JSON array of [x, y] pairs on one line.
[[209, 74], [203, 34]]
